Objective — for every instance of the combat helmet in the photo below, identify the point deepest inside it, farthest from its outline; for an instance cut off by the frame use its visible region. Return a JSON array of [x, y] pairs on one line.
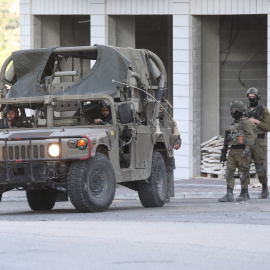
[[237, 105], [254, 91], [9, 108]]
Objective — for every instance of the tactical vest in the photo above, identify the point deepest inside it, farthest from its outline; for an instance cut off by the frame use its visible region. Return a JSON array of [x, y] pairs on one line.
[[236, 132], [256, 129]]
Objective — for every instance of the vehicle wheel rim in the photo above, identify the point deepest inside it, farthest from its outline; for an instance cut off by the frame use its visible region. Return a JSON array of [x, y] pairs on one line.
[[98, 183]]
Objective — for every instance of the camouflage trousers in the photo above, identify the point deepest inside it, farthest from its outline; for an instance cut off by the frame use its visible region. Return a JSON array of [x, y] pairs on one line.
[[235, 160], [258, 155]]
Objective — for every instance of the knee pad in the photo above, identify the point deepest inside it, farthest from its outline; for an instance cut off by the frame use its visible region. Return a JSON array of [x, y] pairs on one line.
[[260, 170], [243, 176]]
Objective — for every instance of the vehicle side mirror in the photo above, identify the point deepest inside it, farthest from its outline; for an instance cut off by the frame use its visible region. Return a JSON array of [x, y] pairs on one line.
[[125, 113]]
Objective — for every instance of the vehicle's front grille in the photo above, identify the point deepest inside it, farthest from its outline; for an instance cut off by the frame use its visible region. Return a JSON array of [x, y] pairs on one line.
[[19, 152]]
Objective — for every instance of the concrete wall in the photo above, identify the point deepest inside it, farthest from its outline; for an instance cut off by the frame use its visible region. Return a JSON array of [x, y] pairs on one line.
[[228, 7]]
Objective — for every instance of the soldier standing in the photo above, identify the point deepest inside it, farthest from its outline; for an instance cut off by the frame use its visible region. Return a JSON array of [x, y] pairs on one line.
[[241, 139], [259, 115]]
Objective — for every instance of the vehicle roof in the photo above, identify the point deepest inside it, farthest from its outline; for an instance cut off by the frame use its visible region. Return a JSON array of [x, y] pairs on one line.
[[112, 63]]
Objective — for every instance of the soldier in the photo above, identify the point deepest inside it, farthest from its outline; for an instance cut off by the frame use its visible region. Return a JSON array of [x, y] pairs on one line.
[[105, 114], [241, 139], [12, 119], [175, 131], [259, 115]]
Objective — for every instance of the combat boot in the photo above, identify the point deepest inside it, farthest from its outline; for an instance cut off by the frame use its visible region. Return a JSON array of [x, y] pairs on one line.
[[228, 197], [264, 194], [243, 196]]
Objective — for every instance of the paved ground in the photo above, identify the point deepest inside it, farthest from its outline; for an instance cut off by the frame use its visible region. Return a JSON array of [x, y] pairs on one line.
[[184, 188]]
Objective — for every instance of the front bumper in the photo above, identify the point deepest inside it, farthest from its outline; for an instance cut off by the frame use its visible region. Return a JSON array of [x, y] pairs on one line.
[[25, 161]]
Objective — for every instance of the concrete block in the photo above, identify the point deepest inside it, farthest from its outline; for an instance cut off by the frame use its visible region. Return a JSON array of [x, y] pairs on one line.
[[181, 79], [180, 43], [22, 19], [97, 20], [25, 30], [184, 126], [181, 67], [27, 19], [183, 149], [185, 136], [181, 55], [258, 74], [25, 41], [98, 31], [97, 40], [25, 9], [179, 114], [184, 101], [180, 32], [181, 20], [181, 90]]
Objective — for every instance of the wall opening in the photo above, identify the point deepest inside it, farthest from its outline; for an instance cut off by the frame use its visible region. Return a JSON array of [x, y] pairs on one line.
[[63, 31], [243, 60], [233, 58], [152, 32]]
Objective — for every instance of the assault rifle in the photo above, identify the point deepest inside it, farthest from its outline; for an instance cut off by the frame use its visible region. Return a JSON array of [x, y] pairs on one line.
[[255, 113], [223, 156]]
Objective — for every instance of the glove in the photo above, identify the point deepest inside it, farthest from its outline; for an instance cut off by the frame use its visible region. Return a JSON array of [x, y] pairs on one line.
[[245, 153]]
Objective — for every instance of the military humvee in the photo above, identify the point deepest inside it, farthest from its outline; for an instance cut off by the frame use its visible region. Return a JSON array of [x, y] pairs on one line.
[[65, 154]]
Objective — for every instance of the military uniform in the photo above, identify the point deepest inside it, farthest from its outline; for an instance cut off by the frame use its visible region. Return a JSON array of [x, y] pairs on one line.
[[241, 138], [241, 141], [260, 148]]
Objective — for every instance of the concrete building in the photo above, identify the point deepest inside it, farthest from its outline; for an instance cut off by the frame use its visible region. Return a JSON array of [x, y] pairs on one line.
[[213, 50]]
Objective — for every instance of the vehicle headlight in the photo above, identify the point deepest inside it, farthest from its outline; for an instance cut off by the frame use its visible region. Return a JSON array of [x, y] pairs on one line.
[[54, 150]]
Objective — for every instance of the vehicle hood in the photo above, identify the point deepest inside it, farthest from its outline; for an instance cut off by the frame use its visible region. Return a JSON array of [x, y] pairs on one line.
[[91, 133]]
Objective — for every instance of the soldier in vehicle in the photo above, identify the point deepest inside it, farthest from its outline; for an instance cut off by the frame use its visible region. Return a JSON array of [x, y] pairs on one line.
[[259, 115], [175, 131], [105, 114], [241, 139], [12, 119]]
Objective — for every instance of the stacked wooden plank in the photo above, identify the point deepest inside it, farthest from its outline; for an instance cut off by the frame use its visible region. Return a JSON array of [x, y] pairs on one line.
[[210, 159]]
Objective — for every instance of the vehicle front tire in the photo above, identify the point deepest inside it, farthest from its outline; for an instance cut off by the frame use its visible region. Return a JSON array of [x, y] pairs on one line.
[[91, 184], [152, 193], [41, 199]]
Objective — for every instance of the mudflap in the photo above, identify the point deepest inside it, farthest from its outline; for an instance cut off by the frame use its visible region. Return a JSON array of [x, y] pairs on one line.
[[170, 166]]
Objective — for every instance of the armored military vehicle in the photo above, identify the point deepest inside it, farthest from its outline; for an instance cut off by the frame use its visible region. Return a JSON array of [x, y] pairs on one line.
[[64, 154]]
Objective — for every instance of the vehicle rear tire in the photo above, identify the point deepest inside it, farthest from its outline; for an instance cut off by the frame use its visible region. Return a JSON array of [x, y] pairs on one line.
[[41, 199], [91, 184], [152, 193]]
